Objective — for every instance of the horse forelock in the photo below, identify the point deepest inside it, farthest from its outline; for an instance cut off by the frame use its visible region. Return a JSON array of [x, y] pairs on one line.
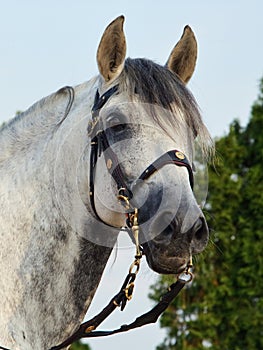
[[155, 84]]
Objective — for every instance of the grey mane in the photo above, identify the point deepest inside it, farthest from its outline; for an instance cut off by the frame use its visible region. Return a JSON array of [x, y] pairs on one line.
[[155, 84], [37, 121]]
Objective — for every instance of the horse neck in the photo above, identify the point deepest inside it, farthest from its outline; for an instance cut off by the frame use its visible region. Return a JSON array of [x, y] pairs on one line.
[[48, 270]]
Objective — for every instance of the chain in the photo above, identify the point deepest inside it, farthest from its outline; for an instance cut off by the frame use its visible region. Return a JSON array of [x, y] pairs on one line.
[[133, 225], [135, 266]]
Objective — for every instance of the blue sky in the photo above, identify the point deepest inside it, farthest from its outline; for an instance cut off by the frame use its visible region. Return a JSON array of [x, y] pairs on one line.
[[47, 44]]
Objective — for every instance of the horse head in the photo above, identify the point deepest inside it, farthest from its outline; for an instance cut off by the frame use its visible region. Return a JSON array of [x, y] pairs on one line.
[[149, 121]]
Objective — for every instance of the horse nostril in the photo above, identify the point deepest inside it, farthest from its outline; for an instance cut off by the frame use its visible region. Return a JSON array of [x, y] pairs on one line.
[[200, 230]]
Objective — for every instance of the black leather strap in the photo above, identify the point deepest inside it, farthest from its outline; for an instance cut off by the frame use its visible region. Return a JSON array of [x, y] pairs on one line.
[[99, 145], [87, 329], [99, 102], [172, 157]]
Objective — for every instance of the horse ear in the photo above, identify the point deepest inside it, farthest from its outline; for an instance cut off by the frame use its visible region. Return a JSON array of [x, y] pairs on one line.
[[112, 50], [183, 57]]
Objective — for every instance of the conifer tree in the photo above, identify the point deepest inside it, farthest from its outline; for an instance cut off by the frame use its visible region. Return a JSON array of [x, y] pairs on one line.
[[223, 307], [78, 345]]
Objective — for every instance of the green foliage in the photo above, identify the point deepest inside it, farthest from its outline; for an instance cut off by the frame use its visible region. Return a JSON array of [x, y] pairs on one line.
[[79, 346], [224, 306]]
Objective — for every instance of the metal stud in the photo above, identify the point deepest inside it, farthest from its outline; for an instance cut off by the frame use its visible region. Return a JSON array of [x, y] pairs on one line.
[[179, 155], [109, 163]]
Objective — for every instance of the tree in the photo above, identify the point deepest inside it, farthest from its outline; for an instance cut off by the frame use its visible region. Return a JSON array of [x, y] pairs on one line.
[[223, 308], [79, 346]]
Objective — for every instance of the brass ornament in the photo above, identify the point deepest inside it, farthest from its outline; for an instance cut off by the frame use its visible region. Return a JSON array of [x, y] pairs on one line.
[[179, 155], [109, 164]]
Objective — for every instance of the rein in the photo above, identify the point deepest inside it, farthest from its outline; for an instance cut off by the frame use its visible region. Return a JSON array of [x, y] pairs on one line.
[[88, 328]]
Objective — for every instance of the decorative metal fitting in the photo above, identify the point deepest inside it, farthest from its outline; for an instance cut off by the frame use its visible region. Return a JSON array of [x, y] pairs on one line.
[[179, 155], [91, 125], [109, 164], [129, 290]]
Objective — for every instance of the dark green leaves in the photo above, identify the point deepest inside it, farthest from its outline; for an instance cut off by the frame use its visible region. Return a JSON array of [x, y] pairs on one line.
[[223, 308]]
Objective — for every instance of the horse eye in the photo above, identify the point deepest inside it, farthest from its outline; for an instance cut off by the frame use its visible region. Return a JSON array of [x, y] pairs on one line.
[[113, 121], [116, 123]]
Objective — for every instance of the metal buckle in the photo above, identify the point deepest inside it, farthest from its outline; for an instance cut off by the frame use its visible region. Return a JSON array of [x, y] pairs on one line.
[[91, 125], [129, 290], [186, 276]]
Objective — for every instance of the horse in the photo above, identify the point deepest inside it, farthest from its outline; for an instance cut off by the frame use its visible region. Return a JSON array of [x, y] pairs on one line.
[[63, 203]]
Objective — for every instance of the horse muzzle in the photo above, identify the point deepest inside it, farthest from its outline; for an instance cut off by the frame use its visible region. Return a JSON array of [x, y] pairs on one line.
[[171, 249], [172, 225]]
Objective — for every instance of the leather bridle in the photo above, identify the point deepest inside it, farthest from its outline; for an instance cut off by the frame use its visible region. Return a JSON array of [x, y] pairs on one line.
[[99, 145]]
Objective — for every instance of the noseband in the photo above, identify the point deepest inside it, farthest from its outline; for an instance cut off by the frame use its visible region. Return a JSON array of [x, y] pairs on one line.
[[100, 144]]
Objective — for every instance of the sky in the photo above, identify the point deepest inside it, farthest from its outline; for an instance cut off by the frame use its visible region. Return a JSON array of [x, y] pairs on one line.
[[48, 44]]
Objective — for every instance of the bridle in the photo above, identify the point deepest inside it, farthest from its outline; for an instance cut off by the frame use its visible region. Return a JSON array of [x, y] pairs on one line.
[[100, 145]]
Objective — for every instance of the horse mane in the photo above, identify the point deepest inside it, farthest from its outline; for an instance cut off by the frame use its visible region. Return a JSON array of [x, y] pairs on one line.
[[45, 114], [155, 84]]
